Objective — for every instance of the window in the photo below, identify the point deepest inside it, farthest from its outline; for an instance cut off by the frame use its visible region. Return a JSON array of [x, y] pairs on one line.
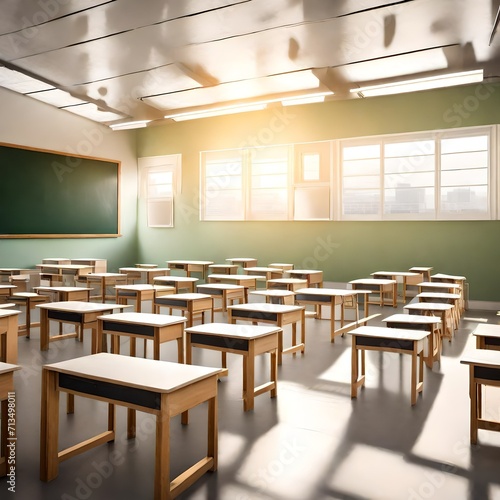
[[438, 175], [160, 181]]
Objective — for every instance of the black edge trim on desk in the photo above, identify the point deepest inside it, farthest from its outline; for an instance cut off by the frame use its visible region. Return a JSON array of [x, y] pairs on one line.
[[132, 395], [164, 301], [487, 373], [115, 326], [216, 341], [71, 317], [406, 345], [313, 298], [256, 315]]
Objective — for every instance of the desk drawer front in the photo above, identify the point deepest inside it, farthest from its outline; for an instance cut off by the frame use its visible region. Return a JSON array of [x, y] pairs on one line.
[[70, 317], [255, 315], [113, 326], [222, 342], [406, 345], [495, 341], [171, 302], [411, 326], [486, 373], [312, 298], [119, 393]]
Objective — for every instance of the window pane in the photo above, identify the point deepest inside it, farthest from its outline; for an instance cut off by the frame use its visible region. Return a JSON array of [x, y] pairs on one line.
[[425, 179], [360, 152], [463, 144], [224, 205], [476, 159], [365, 202], [409, 149], [408, 200], [310, 167], [465, 199]]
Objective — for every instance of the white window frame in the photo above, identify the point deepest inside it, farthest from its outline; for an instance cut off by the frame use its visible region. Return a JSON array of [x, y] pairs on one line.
[[160, 208]]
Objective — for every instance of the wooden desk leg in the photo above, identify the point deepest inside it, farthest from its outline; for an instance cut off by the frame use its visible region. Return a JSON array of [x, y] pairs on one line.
[[274, 372], [354, 369], [294, 336], [44, 329], [162, 454], [131, 415], [180, 350], [11, 341], [429, 361], [474, 388], [303, 331], [212, 429], [248, 379], [28, 318], [49, 427], [280, 347], [414, 377], [332, 320]]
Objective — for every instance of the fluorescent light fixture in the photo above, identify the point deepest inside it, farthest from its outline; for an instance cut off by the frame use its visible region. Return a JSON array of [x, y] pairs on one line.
[[129, 125], [226, 110], [305, 99], [432, 82], [18, 82], [56, 97], [92, 112]]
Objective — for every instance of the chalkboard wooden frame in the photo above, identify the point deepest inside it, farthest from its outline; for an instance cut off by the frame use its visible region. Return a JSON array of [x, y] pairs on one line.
[[51, 194]]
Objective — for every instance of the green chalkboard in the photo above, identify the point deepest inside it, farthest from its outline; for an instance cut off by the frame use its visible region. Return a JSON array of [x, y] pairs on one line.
[[46, 194]]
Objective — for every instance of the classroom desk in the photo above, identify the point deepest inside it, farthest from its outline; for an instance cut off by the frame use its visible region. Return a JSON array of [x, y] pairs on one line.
[[7, 272], [444, 311], [487, 336], [160, 388], [277, 314], [156, 327], [408, 279], [178, 282], [63, 293], [191, 266], [382, 287], [140, 293], [438, 286], [249, 341], [98, 265], [144, 274], [290, 284], [227, 292], [8, 335], [332, 297], [449, 278], [75, 271], [81, 314], [56, 260], [425, 270], [429, 324], [243, 261], [276, 296], [223, 268], [268, 273], [8, 424], [282, 265], [484, 369], [445, 298], [248, 282], [103, 280], [29, 300], [189, 303], [5, 292], [147, 266], [313, 276], [397, 340]]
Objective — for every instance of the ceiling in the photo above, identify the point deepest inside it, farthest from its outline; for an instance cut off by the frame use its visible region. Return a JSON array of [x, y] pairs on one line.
[[125, 60]]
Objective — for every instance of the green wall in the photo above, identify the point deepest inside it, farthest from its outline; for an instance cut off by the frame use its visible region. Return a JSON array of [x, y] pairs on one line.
[[343, 250]]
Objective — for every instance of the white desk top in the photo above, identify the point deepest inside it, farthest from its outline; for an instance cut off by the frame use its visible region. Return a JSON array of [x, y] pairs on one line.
[[484, 357], [148, 374], [371, 281], [487, 331], [389, 333], [4, 287], [429, 306], [228, 330], [412, 318], [234, 277], [422, 269], [242, 259], [5, 313], [439, 284], [194, 262], [139, 287], [81, 307], [105, 275], [394, 273], [69, 267], [304, 271], [438, 295], [265, 307], [61, 288], [448, 277], [175, 278], [258, 269], [289, 281], [329, 292], [273, 292], [186, 296], [8, 367], [147, 319], [220, 286], [144, 269]]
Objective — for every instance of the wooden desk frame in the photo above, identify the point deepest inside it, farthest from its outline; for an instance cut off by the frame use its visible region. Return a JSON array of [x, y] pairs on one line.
[[401, 341], [258, 313], [163, 404], [204, 336]]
